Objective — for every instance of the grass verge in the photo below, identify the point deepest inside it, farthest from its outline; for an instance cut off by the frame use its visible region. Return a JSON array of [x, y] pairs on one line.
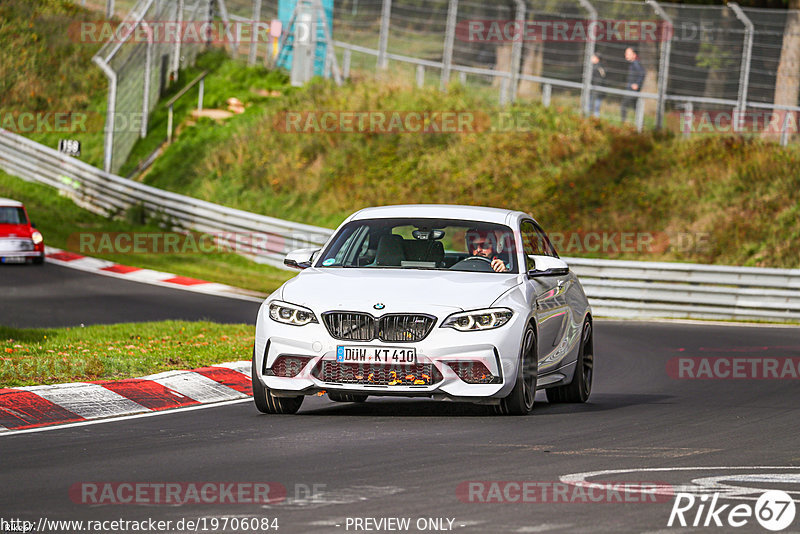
[[112, 352]]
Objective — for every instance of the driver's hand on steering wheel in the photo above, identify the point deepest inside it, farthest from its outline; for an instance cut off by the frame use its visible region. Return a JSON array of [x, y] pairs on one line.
[[498, 265]]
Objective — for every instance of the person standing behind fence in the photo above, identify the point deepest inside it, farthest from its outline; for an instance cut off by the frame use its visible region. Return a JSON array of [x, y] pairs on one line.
[[598, 78], [634, 82]]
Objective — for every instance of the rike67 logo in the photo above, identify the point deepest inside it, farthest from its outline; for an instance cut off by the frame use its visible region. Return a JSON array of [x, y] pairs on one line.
[[774, 510]]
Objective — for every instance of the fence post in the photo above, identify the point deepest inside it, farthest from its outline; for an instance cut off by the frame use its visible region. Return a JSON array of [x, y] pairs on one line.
[[256, 22], [744, 73], [586, 92], [449, 38], [420, 76], [383, 42], [108, 140], [109, 9], [516, 49], [663, 61], [688, 118], [547, 91], [785, 128], [148, 65], [223, 11], [639, 114], [347, 58], [176, 59]]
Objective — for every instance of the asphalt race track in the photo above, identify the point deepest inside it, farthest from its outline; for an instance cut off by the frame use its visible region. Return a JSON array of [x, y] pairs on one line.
[[411, 458], [51, 296]]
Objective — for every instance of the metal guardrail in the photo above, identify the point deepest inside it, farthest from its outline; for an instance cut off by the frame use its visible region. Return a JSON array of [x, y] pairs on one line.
[[109, 195], [629, 289]]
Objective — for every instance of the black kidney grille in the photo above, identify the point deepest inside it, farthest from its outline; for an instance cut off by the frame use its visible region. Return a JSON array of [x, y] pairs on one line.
[[350, 326], [398, 328], [405, 328]]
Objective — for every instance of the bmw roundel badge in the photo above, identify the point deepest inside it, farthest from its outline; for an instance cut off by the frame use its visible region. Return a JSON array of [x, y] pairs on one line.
[[379, 306]]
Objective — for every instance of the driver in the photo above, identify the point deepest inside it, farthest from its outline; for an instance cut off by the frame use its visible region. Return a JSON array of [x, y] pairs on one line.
[[483, 243]]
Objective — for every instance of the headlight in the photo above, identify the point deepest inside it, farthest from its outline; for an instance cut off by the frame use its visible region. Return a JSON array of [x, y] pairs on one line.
[[478, 319], [286, 313], [37, 238]]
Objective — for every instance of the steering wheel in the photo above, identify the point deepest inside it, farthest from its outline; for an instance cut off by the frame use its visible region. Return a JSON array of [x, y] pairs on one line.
[[474, 263]]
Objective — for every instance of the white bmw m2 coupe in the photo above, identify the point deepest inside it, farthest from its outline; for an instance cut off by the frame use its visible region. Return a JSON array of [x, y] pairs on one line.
[[463, 303]]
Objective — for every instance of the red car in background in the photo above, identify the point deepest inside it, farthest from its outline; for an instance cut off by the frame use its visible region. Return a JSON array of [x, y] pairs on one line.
[[20, 242]]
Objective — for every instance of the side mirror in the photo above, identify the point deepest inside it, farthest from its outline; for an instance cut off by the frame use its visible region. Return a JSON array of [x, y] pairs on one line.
[[300, 259], [548, 266]]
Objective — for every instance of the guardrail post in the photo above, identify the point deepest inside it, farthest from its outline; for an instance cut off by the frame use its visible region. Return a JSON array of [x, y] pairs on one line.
[[744, 73], [547, 92], [256, 22], [449, 39], [170, 114], [663, 61], [348, 57], [462, 77], [383, 42], [588, 70], [516, 49], [109, 9], [504, 83], [420, 76]]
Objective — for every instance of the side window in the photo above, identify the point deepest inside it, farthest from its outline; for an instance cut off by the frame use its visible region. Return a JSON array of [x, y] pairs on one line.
[[535, 243], [547, 247]]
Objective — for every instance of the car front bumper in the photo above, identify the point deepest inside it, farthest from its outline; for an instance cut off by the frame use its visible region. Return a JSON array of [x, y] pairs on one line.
[[498, 350]]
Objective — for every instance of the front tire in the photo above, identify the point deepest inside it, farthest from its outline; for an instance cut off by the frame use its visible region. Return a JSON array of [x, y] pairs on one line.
[[520, 400], [266, 402], [346, 397], [580, 388]]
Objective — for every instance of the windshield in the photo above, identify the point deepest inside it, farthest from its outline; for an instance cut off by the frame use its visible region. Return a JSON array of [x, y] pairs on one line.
[[436, 244], [12, 215]]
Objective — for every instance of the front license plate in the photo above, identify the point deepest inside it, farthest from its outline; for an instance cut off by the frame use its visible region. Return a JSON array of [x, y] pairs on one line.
[[377, 355], [13, 259]]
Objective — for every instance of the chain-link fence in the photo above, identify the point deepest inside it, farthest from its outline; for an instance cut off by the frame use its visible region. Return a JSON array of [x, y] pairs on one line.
[[146, 51], [704, 68]]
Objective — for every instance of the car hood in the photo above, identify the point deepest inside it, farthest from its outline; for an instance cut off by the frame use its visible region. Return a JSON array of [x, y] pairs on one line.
[[399, 291], [16, 230]]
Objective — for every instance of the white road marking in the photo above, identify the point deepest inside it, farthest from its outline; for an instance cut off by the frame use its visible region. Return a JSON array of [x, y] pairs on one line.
[[544, 527], [725, 491], [195, 386], [89, 401], [349, 495]]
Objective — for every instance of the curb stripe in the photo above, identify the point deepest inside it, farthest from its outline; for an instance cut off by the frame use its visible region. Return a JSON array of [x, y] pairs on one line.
[[89, 401], [184, 281], [228, 377], [149, 394], [24, 409], [64, 256], [120, 269], [195, 386]]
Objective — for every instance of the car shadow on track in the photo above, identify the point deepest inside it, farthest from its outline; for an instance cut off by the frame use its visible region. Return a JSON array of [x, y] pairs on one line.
[[387, 407]]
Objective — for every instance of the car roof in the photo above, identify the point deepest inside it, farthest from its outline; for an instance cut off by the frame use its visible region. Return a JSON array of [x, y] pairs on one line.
[[440, 211], [10, 203]]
